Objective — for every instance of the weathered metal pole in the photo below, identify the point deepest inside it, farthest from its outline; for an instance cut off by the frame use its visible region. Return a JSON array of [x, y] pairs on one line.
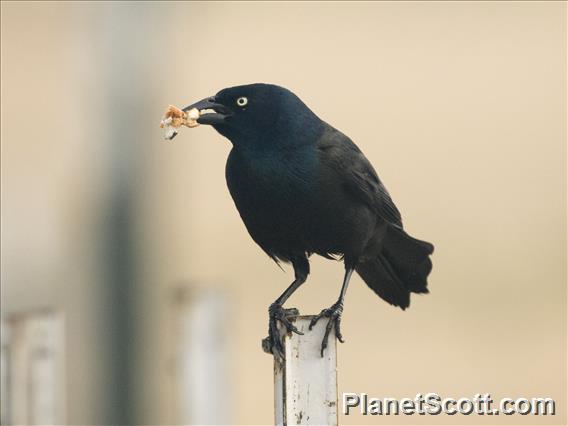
[[305, 385]]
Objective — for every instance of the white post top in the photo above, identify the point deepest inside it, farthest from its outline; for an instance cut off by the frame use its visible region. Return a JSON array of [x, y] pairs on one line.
[[305, 386]]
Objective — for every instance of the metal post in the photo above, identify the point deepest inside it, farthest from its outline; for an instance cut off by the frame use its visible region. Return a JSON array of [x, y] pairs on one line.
[[305, 385], [202, 352], [35, 369]]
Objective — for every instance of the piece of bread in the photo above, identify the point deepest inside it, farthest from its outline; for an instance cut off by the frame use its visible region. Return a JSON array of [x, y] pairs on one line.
[[174, 118]]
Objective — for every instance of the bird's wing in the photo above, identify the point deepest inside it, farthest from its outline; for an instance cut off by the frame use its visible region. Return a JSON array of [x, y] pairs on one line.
[[357, 175]]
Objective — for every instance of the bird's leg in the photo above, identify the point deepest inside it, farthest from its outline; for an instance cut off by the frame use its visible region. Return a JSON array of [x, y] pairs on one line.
[[334, 312], [276, 311]]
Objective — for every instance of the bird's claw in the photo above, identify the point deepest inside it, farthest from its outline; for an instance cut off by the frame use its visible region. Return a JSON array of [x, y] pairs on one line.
[[277, 313], [334, 314]]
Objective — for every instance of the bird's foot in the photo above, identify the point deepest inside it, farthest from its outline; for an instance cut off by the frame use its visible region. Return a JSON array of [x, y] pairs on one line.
[[277, 313], [334, 314]]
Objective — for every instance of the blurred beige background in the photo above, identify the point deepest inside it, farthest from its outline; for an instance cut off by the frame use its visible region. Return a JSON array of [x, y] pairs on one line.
[[461, 107]]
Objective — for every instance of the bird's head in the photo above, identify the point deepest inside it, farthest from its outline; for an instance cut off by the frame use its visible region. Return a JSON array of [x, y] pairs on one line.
[[259, 116]]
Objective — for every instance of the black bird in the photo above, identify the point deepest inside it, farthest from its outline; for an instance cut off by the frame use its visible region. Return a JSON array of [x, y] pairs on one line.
[[303, 187]]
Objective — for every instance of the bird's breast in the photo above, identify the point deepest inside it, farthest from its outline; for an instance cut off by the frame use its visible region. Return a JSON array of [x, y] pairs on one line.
[[274, 192], [274, 180]]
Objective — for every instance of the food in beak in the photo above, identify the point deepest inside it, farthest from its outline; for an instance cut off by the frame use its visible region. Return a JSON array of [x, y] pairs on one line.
[[174, 118]]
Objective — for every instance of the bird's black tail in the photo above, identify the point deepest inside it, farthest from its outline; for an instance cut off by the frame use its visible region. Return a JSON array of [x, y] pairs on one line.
[[401, 268]]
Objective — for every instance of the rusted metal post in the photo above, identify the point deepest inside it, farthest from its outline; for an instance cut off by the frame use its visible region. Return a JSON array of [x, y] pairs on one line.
[[305, 385]]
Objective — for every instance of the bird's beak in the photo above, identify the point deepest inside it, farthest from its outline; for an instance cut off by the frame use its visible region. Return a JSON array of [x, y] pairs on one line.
[[217, 117]]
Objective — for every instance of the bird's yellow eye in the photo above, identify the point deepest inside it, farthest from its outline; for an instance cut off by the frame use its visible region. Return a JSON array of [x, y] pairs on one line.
[[242, 101]]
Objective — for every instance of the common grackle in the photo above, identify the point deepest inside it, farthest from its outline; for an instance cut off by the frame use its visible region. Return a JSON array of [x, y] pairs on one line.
[[303, 187]]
